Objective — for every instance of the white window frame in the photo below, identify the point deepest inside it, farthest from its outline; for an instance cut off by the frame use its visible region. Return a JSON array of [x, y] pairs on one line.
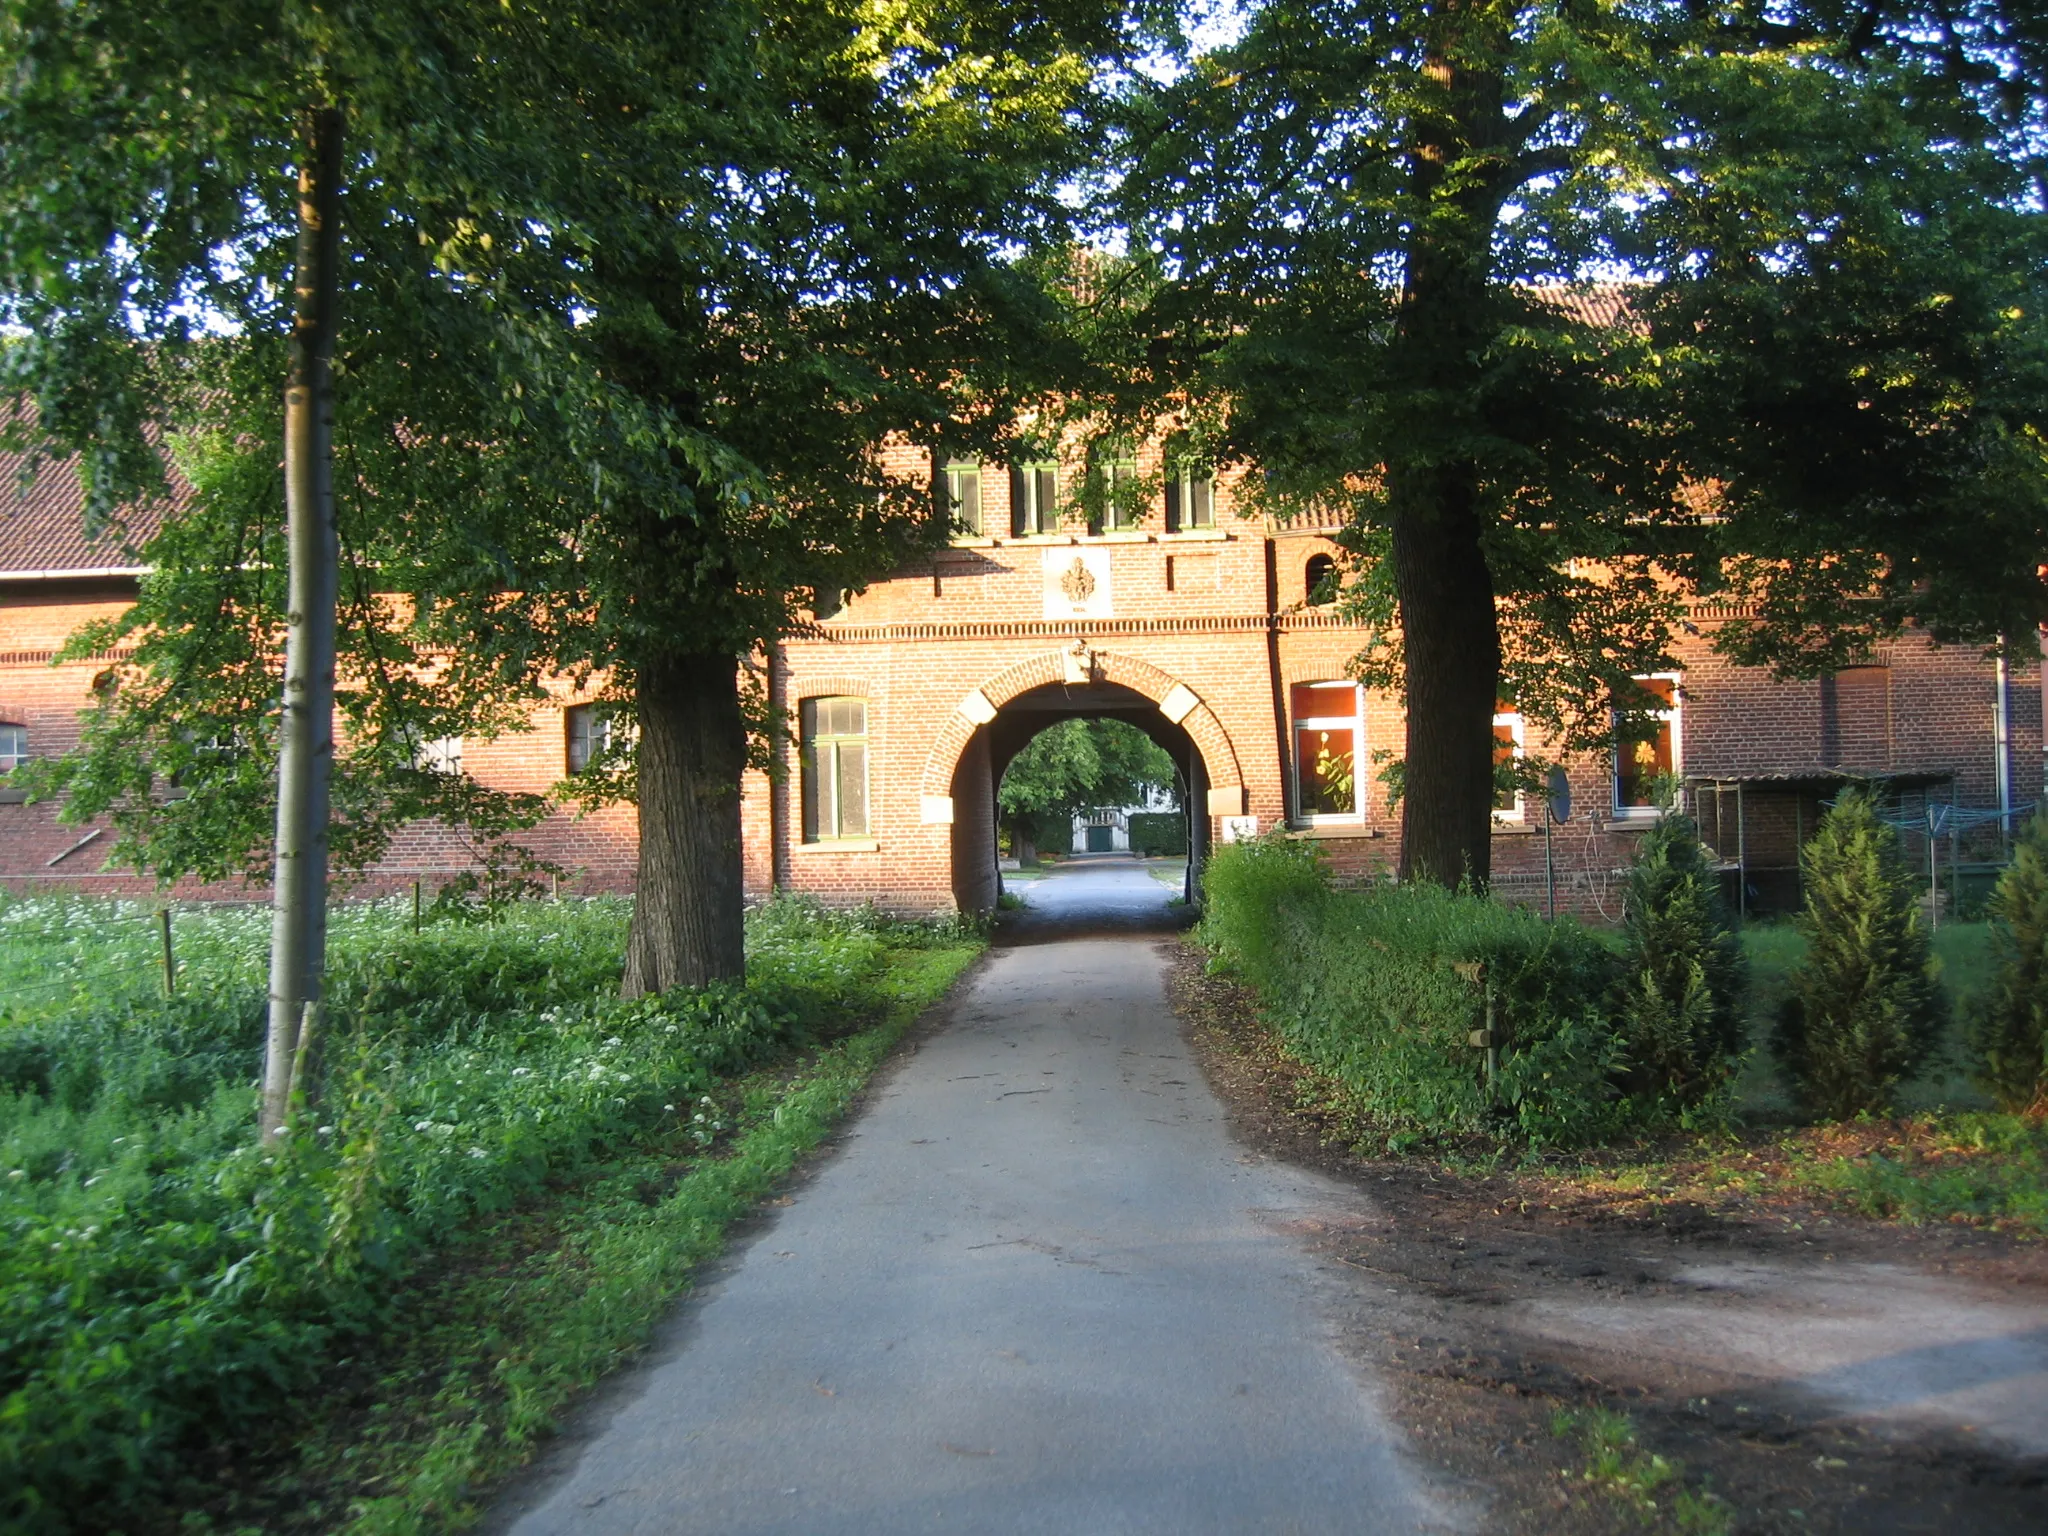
[[598, 734], [1512, 718], [1355, 723], [13, 745], [809, 764], [1672, 717]]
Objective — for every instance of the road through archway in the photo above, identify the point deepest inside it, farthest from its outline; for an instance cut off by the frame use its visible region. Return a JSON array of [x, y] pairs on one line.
[[1038, 1288]]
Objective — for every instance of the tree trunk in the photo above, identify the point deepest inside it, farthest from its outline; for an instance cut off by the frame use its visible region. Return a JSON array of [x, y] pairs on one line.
[[298, 934], [687, 911], [1451, 640], [1450, 634]]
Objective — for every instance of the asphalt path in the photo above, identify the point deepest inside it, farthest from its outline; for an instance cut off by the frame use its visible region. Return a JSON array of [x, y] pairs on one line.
[[1037, 1288]]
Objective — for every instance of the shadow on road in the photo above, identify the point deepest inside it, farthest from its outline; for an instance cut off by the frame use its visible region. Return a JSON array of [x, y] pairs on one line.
[[1092, 897]]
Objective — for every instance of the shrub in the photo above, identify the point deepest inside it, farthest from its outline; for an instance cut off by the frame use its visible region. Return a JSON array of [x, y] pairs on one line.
[[165, 1279], [1678, 1006], [1159, 832], [1864, 1010], [2008, 1026], [1382, 988]]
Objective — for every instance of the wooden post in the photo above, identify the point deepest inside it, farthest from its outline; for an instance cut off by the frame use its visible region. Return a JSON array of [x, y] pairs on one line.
[[170, 963]]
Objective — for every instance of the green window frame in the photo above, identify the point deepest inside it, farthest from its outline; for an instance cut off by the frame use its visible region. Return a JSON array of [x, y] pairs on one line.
[[961, 479], [834, 749], [1190, 499], [1034, 498]]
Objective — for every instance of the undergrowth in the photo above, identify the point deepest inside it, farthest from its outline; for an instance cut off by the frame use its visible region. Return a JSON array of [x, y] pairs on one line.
[[166, 1281]]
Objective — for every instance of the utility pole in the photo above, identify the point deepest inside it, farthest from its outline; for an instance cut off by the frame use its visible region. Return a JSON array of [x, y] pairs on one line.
[[298, 934]]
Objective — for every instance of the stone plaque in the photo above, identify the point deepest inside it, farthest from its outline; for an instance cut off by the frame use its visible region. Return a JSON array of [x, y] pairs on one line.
[[1077, 583]]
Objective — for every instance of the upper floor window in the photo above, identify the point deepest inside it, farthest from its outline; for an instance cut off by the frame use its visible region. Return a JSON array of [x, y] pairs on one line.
[[13, 746], [1319, 580], [1034, 498], [1190, 500], [1508, 742], [1116, 470], [835, 768], [1329, 743], [443, 754], [589, 733], [1640, 760], [962, 483]]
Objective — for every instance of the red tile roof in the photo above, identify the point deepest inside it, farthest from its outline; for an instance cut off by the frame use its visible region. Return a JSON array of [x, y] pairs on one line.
[[42, 529]]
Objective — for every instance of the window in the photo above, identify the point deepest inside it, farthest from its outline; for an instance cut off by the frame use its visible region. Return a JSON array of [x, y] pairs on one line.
[[1639, 763], [590, 735], [13, 746], [1319, 580], [1034, 499], [1117, 475], [1190, 500], [963, 496], [440, 754], [1507, 754], [1329, 737], [835, 768]]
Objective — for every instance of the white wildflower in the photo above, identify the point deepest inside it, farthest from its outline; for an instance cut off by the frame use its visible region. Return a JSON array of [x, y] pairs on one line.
[[522, 1071], [670, 1108], [478, 1152], [424, 1125], [17, 1173]]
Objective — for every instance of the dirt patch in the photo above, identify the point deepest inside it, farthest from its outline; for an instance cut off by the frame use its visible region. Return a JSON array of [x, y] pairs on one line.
[[1737, 1338]]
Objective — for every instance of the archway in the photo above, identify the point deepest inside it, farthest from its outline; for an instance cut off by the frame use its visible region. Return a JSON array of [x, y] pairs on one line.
[[993, 722]]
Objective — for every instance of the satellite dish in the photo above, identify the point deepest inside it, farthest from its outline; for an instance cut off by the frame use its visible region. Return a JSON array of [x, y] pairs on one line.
[[1559, 786]]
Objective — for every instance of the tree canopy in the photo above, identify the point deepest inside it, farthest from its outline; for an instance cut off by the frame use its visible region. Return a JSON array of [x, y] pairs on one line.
[[1575, 309], [1084, 765], [629, 296]]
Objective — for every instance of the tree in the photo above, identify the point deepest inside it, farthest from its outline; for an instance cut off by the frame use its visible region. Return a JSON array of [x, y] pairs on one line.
[[1679, 1003], [2009, 1021], [1864, 1010], [1075, 766], [1367, 234], [629, 297]]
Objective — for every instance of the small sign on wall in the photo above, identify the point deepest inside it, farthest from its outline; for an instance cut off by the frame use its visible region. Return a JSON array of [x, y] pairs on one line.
[[1240, 829], [1077, 583]]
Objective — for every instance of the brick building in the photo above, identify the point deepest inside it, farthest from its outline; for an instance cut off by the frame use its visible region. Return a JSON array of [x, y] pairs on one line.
[[1170, 610]]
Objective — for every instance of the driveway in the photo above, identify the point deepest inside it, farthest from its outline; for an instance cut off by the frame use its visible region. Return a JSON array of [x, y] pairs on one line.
[[1038, 1288]]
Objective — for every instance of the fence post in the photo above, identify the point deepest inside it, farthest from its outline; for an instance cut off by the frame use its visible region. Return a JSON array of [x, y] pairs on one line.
[[170, 962], [415, 906]]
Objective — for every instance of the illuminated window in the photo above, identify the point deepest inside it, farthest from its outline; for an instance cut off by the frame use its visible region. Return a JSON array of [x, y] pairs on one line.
[[590, 735], [1641, 761], [1190, 500], [1034, 498], [835, 768], [1329, 741], [963, 496], [1507, 763]]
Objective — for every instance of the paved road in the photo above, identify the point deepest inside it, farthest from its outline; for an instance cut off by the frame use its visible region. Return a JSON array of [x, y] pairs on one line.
[[1038, 1289]]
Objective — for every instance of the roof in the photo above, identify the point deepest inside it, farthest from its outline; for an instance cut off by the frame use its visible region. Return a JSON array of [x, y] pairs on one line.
[[1809, 778], [1604, 306], [42, 525]]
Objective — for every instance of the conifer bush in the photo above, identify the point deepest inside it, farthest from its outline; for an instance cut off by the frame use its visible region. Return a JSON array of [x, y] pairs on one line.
[[1865, 1009], [1678, 1007], [2008, 1034]]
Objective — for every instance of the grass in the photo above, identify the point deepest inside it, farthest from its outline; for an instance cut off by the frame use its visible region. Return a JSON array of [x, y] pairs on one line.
[[1653, 1486]]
